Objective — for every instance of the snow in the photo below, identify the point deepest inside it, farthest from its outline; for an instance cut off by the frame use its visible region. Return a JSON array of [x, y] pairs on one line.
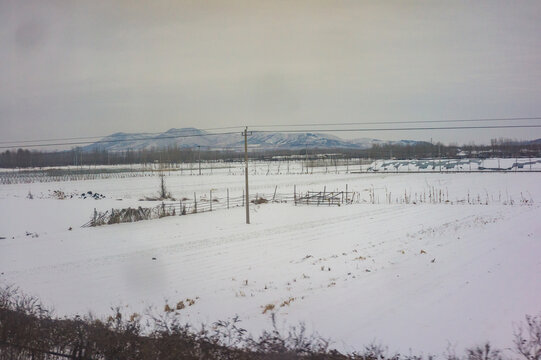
[[417, 276], [231, 140], [458, 165]]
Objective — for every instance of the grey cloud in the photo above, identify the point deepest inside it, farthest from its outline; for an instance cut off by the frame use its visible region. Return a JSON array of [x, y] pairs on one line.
[[137, 65]]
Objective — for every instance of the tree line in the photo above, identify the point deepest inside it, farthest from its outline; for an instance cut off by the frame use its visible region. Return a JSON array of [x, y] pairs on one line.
[[24, 158]]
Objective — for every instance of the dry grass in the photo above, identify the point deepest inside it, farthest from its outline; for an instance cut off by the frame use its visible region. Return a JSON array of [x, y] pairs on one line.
[[28, 330], [260, 200], [287, 302], [268, 307]]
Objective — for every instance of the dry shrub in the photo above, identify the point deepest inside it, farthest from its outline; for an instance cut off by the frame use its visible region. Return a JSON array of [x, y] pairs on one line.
[[485, 352], [528, 338], [268, 307], [287, 302], [28, 330], [116, 216], [260, 200], [59, 194]]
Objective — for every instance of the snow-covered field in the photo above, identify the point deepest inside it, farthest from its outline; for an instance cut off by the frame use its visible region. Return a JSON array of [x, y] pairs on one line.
[[325, 165], [391, 268]]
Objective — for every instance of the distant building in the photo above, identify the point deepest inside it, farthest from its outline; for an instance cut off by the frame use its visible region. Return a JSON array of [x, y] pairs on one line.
[[462, 154]]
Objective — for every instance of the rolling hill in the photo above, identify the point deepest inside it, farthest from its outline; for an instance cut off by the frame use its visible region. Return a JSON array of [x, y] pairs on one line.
[[192, 137]]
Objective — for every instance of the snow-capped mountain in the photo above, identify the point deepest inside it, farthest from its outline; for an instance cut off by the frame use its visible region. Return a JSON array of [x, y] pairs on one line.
[[192, 137]]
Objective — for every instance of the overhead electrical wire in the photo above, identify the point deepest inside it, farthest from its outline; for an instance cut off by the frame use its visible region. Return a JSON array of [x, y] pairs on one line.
[[21, 144], [513, 119], [104, 136], [400, 122], [405, 129], [117, 140]]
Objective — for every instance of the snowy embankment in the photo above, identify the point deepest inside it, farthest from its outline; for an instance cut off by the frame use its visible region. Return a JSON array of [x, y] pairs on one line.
[[419, 276]]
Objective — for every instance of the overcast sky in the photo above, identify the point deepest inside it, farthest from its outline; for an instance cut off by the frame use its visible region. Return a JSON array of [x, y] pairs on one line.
[[85, 68]]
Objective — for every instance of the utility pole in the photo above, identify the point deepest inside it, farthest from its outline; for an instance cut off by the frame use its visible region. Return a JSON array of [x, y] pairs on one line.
[[199, 146], [306, 156], [246, 174], [439, 153]]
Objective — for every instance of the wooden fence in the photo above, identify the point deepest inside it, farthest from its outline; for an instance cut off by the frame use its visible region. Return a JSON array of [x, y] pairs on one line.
[[206, 204]]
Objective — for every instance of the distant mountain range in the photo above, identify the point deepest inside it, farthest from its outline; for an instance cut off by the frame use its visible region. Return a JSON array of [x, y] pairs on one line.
[[192, 137]]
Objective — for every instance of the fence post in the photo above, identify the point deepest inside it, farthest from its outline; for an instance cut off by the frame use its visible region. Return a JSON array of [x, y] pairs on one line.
[[242, 197], [210, 199], [274, 196], [195, 202], [294, 193], [346, 193], [228, 198]]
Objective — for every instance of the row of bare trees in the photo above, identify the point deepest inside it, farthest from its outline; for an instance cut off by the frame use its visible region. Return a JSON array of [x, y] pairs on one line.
[[21, 158]]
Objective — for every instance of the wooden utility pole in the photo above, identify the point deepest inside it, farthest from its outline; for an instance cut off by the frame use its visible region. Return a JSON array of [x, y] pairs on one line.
[[246, 174], [199, 146], [306, 156]]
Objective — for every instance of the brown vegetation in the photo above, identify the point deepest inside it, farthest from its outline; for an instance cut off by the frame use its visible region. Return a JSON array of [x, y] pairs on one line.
[[260, 200], [30, 331]]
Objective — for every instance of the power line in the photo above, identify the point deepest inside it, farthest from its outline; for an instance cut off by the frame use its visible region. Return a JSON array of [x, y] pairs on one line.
[[104, 136], [401, 122], [58, 139], [405, 129], [284, 125], [282, 131], [118, 140]]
